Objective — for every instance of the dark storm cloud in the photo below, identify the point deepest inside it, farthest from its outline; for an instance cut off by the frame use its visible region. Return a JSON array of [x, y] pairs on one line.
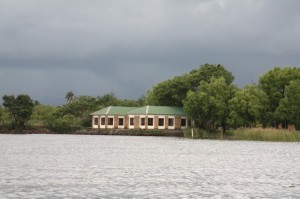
[[93, 47]]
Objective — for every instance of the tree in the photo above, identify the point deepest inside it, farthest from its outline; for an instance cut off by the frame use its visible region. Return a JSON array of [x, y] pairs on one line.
[[80, 108], [1, 115], [209, 105], [108, 100], [207, 71], [273, 83], [41, 114], [288, 111], [20, 108], [173, 91], [248, 106], [69, 96]]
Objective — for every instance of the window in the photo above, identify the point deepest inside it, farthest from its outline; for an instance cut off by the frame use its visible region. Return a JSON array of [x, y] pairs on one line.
[[110, 121], [131, 121], [183, 122], [96, 121], [143, 121], [103, 121], [171, 121], [150, 121], [121, 121], [161, 122]]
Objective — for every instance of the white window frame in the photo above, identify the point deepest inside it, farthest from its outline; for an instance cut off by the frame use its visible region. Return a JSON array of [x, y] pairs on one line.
[[110, 126], [171, 127], [102, 126], [150, 116], [164, 126], [140, 122], [130, 117], [121, 126], [94, 125], [186, 122]]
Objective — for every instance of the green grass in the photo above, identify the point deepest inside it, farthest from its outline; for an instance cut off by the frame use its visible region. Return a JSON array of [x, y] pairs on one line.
[[259, 134], [253, 134]]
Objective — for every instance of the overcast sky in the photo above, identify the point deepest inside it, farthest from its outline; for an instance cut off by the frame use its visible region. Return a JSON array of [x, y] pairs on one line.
[[92, 47]]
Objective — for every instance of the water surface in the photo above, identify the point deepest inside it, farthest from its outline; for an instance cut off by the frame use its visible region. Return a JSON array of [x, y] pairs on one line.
[[82, 166]]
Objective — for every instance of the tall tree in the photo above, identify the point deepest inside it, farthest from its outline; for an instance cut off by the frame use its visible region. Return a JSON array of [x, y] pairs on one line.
[[288, 111], [20, 108], [248, 106], [273, 83], [173, 91], [70, 96], [210, 103]]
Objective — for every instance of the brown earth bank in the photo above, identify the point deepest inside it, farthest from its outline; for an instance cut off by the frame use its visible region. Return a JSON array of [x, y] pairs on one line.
[[170, 133]]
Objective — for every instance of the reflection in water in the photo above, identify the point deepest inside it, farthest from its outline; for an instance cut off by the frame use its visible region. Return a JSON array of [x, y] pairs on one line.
[[74, 166]]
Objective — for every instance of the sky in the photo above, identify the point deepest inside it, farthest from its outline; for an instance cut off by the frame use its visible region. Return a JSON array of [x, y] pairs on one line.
[[94, 47]]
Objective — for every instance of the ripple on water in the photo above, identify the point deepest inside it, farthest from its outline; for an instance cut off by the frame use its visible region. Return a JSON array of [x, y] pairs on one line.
[[69, 166]]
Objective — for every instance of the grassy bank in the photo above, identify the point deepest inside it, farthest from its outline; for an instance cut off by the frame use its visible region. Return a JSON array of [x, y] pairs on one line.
[[253, 134], [274, 135]]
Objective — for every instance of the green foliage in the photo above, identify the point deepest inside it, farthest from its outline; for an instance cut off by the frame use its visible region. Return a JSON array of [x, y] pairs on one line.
[[81, 107], [209, 105], [273, 83], [207, 71], [111, 100], [207, 94], [108, 100], [253, 134], [20, 108], [41, 114], [248, 107], [288, 110], [150, 99], [258, 134], [67, 123], [172, 92]]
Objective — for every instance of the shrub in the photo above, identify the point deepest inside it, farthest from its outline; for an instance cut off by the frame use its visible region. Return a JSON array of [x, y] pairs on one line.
[[67, 123]]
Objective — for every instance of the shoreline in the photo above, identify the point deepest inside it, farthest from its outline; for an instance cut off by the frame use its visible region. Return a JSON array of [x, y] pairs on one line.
[[269, 135], [124, 132]]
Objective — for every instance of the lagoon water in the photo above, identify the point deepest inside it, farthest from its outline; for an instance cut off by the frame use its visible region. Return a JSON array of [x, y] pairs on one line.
[[77, 166]]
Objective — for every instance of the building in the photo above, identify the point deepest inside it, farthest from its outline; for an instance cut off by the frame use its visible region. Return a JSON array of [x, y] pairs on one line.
[[147, 117]]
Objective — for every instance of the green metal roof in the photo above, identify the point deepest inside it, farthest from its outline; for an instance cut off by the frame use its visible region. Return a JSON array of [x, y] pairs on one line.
[[146, 110], [114, 110], [100, 112], [158, 110]]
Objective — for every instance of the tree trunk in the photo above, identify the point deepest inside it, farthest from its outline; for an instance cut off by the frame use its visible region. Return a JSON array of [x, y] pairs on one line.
[[223, 130]]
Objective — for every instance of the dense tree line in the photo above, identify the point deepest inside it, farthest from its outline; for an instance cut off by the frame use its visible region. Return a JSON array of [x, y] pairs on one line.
[[208, 95], [211, 99], [19, 112]]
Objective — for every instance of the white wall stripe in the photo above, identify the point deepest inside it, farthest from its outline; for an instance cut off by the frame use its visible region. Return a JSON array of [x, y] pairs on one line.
[[108, 110]]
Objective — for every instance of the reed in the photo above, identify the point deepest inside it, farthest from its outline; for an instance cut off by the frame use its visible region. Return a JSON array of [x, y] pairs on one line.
[[269, 134], [251, 134]]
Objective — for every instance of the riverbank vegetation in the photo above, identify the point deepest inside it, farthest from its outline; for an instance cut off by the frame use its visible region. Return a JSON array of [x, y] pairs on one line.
[[250, 134], [72, 116], [216, 106], [212, 100]]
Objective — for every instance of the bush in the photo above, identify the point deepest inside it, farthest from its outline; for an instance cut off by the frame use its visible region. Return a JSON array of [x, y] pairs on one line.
[[67, 123]]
